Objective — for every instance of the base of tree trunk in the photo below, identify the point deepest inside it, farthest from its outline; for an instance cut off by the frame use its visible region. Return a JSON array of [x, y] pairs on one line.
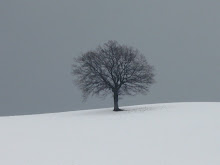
[[116, 110]]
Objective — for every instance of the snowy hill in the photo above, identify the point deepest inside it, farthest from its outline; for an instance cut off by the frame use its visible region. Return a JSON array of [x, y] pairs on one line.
[[159, 134]]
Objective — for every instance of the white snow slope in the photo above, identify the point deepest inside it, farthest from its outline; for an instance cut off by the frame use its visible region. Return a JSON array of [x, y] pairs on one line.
[[159, 134]]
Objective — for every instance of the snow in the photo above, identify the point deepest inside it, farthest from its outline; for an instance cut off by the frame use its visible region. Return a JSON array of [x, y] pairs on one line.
[[156, 134]]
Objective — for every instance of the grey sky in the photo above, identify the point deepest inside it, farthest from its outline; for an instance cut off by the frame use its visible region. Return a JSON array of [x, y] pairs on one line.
[[38, 40]]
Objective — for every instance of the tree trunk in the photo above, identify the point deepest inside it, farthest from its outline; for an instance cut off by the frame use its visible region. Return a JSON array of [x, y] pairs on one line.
[[116, 108]]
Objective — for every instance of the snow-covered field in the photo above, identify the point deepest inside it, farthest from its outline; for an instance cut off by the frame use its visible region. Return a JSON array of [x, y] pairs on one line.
[[158, 134]]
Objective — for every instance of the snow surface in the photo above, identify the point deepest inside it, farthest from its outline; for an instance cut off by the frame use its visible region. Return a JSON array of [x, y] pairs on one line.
[[159, 134]]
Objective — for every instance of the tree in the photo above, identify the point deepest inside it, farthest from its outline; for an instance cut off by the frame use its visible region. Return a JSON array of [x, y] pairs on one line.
[[113, 69]]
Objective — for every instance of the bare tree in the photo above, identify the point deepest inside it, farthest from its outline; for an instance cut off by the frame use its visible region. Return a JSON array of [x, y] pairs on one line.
[[113, 69]]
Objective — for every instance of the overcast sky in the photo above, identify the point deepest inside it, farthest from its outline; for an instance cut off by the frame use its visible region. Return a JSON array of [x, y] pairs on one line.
[[39, 38]]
